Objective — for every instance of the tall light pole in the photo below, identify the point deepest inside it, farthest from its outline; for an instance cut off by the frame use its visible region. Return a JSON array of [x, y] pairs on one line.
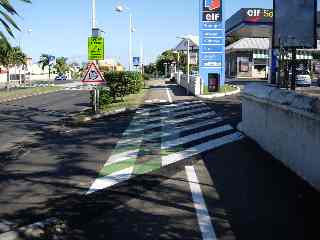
[[94, 19], [188, 61], [121, 8]]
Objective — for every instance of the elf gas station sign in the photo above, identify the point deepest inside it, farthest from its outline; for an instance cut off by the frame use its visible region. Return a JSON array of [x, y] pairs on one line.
[[212, 44]]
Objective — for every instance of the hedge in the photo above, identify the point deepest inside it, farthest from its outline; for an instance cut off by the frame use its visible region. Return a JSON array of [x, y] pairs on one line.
[[123, 83]]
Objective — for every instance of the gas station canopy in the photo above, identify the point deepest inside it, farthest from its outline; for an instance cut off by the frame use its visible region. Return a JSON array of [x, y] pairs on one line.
[[253, 23]]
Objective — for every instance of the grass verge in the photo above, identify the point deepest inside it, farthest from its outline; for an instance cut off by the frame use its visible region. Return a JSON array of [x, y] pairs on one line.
[[225, 89], [20, 92], [130, 101]]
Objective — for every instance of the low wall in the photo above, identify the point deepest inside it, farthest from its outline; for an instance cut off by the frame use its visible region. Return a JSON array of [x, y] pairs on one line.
[[285, 124], [194, 85]]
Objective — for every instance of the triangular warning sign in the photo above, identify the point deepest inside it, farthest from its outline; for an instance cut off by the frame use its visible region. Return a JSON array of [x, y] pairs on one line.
[[93, 75]]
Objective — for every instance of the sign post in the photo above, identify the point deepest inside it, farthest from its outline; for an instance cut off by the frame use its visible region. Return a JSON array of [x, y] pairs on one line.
[[52, 61], [212, 44]]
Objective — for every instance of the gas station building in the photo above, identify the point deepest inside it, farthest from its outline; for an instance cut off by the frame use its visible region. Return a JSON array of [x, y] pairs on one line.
[[250, 30]]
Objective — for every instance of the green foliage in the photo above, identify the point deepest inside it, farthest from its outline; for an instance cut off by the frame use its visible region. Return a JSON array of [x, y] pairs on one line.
[[105, 97], [61, 66], [123, 83], [7, 11], [44, 61], [11, 56]]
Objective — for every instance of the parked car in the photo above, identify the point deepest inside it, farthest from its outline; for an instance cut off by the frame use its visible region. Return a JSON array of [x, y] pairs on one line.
[[61, 77], [303, 79]]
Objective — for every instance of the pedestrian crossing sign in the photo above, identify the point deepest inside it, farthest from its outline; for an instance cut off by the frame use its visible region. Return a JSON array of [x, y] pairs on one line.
[[93, 75]]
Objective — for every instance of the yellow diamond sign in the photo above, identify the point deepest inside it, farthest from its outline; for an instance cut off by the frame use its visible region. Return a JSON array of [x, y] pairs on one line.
[[96, 48]]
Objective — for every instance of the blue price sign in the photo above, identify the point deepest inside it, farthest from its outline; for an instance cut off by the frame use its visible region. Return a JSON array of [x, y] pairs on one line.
[[212, 44]]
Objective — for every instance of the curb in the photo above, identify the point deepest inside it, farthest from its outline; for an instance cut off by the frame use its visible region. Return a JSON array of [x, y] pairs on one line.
[[26, 96], [220, 95], [74, 120]]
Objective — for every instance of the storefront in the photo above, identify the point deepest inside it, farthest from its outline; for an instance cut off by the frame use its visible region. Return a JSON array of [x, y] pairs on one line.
[[249, 33], [249, 58]]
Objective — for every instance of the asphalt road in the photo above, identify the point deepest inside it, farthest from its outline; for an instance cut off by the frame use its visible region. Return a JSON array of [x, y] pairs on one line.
[[41, 158], [133, 166]]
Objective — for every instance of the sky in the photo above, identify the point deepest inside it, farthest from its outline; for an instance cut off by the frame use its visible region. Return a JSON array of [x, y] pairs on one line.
[[61, 27]]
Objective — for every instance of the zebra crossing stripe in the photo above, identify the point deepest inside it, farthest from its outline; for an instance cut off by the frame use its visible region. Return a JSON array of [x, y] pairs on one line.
[[170, 132], [177, 114], [124, 156], [108, 181], [135, 169], [175, 157], [195, 136], [171, 122]]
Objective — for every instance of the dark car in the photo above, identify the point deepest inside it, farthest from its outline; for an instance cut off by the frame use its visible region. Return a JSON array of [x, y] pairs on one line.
[[61, 77]]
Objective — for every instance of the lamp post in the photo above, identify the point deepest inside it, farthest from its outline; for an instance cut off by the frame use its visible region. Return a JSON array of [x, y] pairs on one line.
[[188, 61], [121, 8], [178, 65]]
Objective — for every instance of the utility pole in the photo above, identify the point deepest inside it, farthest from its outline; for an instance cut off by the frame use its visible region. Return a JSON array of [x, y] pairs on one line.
[[141, 58], [188, 67], [130, 42], [94, 20]]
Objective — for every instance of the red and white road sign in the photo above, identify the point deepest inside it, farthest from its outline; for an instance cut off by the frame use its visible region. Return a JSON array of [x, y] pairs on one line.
[[93, 75]]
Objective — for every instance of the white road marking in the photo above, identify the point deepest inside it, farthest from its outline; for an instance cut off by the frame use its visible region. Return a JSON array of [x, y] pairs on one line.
[[175, 157], [168, 110], [115, 158], [200, 206], [169, 96], [171, 122], [195, 136], [168, 144], [176, 114], [176, 130], [108, 181]]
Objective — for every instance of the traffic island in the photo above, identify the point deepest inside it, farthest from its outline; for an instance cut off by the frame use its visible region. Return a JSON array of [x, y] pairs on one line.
[[20, 93], [129, 103], [226, 90], [285, 124]]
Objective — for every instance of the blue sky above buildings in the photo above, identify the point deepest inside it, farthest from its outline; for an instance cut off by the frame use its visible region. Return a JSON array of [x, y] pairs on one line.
[[61, 27]]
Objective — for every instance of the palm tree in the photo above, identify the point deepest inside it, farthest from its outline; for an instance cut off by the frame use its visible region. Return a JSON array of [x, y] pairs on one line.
[[44, 62], [7, 11], [62, 66], [10, 57]]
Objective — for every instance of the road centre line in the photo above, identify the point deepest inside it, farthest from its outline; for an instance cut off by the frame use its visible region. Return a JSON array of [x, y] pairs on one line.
[[200, 206]]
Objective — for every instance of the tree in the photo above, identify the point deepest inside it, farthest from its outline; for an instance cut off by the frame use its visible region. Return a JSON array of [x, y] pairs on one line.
[[167, 57], [10, 57], [7, 11], [62, 66], [44, 62]]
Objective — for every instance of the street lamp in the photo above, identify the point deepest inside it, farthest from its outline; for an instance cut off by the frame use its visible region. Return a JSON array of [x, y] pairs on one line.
[[121, 8], [178, 65], [188, 61]]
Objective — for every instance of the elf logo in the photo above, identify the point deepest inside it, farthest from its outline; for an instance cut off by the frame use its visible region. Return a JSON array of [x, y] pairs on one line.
[[213, 5]]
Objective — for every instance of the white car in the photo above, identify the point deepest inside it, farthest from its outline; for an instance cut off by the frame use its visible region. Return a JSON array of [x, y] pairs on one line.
[[303, 79]]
